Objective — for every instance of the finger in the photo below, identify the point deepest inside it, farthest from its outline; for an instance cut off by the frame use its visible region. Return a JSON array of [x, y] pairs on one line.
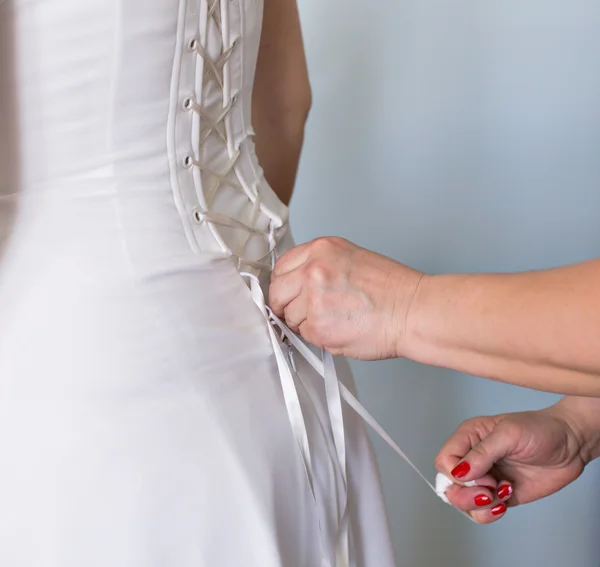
[[295, 313], [283, 290], [501, 491], [469, 499], [468, 434], [504, 491], [291, 260], [481, 458], [490, 515], [305, 333]]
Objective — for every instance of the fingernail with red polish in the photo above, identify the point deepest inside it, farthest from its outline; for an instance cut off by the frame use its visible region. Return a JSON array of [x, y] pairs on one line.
[[499, 510], [504, 491], [482, 500], [461, 470]]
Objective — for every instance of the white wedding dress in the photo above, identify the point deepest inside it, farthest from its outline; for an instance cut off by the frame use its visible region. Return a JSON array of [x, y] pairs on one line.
[[150, 414]]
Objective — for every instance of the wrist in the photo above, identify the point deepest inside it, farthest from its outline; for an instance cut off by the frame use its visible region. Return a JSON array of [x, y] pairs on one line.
[[409, 299], [582, 416]]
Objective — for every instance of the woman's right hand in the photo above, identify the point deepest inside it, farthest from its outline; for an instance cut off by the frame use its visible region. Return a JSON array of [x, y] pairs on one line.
[[514, 458]]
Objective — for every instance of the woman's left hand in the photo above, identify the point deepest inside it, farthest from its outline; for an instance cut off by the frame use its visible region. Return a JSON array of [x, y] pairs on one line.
[[514, 459]]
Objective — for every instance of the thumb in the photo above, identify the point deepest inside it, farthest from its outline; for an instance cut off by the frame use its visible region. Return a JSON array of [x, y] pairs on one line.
[[479, 461]]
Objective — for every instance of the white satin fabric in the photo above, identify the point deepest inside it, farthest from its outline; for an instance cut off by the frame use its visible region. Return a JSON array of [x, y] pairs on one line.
[[144, 419]]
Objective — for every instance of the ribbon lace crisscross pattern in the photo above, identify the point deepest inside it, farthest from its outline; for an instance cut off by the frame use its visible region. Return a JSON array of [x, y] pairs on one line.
[[284, 342]]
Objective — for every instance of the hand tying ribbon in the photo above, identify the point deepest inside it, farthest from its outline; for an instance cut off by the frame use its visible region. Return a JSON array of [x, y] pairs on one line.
[[335, 393]]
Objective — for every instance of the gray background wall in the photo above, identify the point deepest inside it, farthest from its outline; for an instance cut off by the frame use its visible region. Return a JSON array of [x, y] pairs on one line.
[[457, 136]]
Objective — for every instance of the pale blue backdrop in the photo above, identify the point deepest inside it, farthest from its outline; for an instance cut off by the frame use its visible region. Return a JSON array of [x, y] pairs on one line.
[[457, 136]]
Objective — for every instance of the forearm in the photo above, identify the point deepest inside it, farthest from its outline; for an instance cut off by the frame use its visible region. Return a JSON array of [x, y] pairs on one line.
[[583, 416], [281, 97], [537, 329]]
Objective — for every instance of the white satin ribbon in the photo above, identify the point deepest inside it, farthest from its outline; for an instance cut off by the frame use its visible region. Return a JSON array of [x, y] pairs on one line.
[[335, 392]]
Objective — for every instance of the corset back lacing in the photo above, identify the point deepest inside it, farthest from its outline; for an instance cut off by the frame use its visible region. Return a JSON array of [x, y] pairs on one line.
[[285, 342]]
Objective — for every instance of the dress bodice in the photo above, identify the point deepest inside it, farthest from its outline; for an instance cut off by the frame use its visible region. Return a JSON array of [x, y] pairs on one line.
[[150, 409], [134, 98]]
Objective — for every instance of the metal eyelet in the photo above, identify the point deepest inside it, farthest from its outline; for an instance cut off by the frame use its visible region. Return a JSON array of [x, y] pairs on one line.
[[193, 44], [188, 161], [198, 217], [188, 103]]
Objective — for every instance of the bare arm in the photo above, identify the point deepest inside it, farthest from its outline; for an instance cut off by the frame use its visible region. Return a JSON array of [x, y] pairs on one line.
[[536, 329], [282, 97]]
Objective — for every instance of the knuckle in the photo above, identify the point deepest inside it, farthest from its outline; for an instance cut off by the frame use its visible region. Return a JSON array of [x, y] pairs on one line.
[[462, 430], [480, 451], [474, 429], [470, 424], [326, 244], [317, 272], [322, 243], [274, 297]]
